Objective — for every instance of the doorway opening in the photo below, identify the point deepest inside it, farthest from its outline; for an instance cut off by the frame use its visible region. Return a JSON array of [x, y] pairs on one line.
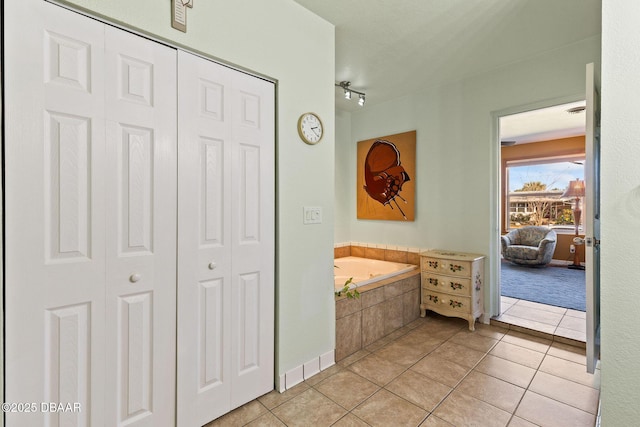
[[542, 150]]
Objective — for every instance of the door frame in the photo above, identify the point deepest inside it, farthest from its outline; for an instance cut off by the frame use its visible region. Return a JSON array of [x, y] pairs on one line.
[[164, 41], [492, 300]]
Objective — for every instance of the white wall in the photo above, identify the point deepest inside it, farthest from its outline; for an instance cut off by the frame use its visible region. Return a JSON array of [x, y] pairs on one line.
[[620, 271], [345, 168], [456, 167], [278, 39]]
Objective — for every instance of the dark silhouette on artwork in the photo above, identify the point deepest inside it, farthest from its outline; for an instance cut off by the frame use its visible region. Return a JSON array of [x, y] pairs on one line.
[[384, 175]]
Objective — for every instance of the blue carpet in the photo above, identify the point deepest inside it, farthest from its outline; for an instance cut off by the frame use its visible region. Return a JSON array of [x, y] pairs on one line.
[[559, 286]]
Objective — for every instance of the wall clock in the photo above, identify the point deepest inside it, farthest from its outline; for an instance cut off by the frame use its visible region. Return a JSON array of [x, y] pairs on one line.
[[310, 128]]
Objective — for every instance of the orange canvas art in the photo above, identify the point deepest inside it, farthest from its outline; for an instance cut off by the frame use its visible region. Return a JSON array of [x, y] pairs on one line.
[[386, 177]]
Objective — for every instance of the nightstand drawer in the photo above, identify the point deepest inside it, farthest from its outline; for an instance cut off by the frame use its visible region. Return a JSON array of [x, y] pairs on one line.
[[441, 301], [448, 267], [452, 285]]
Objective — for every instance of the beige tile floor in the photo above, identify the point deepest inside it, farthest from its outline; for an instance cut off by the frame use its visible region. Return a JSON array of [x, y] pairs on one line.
[[434, 372], [552, 322]]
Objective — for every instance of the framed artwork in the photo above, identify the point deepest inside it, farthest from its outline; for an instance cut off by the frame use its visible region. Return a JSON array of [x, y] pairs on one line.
[[385, 181]]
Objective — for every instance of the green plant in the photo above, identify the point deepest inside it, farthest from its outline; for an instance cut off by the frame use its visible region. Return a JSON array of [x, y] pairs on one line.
[[349, 293], [565, 217], [520, 218]]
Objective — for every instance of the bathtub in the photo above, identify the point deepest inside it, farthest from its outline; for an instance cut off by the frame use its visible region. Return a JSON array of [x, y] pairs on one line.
[[365, 270]]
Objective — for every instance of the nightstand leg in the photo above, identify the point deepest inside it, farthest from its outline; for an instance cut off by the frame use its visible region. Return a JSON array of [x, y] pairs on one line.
[[472, 325], [423, 312]]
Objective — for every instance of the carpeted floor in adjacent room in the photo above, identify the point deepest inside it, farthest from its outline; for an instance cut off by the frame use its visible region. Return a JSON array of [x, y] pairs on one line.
[[558, 286]]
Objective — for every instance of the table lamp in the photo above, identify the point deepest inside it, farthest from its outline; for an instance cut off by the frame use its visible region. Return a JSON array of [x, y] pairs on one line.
[[575, 191]]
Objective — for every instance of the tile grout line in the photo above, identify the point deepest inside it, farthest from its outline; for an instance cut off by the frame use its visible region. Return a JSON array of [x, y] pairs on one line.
[[461, 379], [429, 413], [513, 414], [454, 333], [565, 314], [389, 382], [527, 389]]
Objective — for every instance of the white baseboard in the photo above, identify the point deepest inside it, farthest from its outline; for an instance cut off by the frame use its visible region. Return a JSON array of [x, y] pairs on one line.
[[305, 371], [311, 368], [327, 360]]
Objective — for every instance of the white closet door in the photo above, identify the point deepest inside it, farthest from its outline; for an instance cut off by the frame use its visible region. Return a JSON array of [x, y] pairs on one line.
[[204, 241], [55, 214], [225, 239], [141, 161], [91, 221], [252, 238]]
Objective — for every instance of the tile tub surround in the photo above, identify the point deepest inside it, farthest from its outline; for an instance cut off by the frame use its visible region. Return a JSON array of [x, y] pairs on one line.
[[383, 308], [376, 251]]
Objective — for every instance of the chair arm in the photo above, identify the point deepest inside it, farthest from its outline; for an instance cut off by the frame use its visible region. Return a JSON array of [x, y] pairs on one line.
[[505, 242], [546, 249], [544, 242]]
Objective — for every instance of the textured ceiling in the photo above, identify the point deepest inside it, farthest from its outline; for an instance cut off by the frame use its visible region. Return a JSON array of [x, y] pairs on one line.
[[390, 48], [544, 124]]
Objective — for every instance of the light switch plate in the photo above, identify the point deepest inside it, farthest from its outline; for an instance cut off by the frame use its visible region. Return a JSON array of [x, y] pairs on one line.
[[312, 215]]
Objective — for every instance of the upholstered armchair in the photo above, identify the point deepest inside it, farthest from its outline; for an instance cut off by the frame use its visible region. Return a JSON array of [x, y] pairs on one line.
[[530, 245]]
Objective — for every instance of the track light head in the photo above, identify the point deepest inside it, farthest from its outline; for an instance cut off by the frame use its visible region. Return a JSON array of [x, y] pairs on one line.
[[345, 85]]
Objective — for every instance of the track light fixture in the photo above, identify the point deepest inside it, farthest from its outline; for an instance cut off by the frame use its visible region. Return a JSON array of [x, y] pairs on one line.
[[348, 91]]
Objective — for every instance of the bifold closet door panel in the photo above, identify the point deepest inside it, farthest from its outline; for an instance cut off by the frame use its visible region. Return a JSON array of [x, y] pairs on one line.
[[91, 221], [204, 240], [141, 164], [225, 239], [252, 237], [55, 214]]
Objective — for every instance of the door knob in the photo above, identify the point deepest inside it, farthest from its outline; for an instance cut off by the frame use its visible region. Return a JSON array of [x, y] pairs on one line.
[[212, 265], [135, 277]]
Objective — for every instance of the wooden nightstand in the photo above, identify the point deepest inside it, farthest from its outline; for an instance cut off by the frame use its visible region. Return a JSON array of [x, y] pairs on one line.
[[452, 284]]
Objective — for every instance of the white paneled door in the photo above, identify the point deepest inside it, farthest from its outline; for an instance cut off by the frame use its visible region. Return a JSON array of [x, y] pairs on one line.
[[91, 222], [139, 209], [55, 213], [140, 126], [225, 240]]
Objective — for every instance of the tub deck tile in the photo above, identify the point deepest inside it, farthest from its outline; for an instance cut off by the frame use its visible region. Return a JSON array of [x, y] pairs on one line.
[[373, 320], [411, 306], [347, 306], [372, 297], [374, 253], [357, 251], [348, 335], [395, 256], [393, 314]]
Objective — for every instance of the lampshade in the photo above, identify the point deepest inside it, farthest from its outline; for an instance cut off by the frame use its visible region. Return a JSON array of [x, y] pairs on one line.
[[575, 189]]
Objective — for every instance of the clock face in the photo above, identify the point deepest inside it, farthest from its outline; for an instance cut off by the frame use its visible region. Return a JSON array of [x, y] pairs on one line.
[[310, 128]]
